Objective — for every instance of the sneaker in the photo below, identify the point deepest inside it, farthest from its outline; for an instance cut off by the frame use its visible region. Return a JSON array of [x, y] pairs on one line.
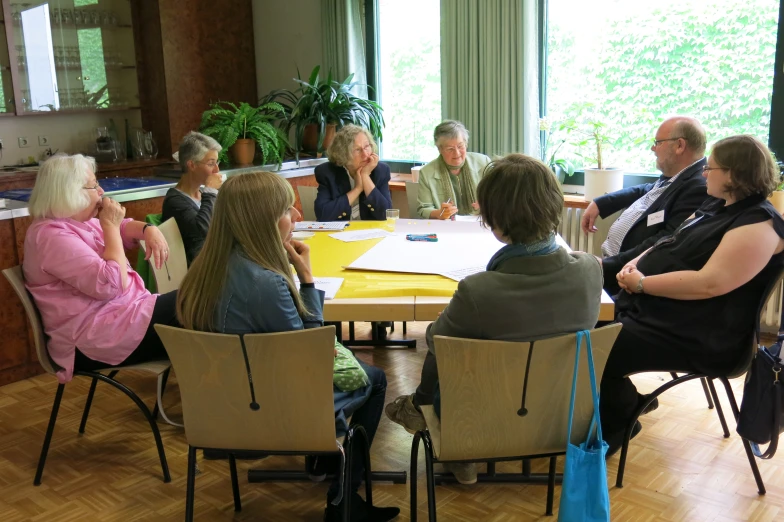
[[360, 511], [403, 411], [464, 473], [615, 440]]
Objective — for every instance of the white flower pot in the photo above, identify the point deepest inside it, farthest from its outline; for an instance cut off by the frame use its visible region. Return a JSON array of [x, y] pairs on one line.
[[599, 182]]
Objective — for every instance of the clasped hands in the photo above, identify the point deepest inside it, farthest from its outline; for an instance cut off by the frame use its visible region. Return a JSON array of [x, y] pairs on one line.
[[629, 277], [364, 170]]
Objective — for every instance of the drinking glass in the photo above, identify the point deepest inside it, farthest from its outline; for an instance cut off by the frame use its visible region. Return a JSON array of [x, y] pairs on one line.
[[393, 215]]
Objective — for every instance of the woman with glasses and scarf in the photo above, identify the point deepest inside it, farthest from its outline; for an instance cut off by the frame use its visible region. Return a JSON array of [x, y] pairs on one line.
[[190, 202], [447, 185], [353, 185]]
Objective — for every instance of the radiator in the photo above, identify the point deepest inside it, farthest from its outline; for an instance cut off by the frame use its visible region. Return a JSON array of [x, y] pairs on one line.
[[570, 230]]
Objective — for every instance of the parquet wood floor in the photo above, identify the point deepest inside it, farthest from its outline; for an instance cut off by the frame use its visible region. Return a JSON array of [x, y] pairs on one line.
[[680, 467]]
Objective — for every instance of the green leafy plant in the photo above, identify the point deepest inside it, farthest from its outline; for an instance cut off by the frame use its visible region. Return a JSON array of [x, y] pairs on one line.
[[323, 102], [227, 122], [553, 144]]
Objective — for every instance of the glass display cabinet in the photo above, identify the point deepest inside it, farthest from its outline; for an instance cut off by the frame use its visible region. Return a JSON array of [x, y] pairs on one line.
[[70, 55]]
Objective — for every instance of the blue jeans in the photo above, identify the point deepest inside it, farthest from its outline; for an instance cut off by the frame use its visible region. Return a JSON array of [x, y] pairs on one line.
[[368, 416]]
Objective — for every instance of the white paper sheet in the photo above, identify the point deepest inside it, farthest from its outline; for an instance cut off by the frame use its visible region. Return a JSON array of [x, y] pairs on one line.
[[317, 226], [459, 275], [361, 235], [330, 285]]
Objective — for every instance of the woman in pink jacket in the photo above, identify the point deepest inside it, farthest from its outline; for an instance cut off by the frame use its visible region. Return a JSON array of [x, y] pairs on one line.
[[95, 308]]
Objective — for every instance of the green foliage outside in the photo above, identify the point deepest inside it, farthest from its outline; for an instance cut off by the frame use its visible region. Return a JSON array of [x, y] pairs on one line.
[[712, 59]]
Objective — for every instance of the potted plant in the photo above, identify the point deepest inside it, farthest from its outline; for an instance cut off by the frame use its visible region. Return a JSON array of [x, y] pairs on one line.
[[600, 180], [319, 107], [554, 141], [240, 129]]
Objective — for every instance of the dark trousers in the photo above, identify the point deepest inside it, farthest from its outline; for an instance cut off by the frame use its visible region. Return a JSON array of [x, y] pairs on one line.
[[428, 381], [150, 348], [632, 354], [368, 416]]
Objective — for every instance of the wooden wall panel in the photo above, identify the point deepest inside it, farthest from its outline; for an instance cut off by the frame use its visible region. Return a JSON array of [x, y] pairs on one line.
[[14, 347]]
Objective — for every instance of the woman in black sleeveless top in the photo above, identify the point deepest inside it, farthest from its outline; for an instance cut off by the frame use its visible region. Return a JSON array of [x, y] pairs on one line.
[[690, 301]]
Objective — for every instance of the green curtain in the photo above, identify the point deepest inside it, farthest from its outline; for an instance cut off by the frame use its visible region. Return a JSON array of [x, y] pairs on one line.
[[489, 73], [343, 41]]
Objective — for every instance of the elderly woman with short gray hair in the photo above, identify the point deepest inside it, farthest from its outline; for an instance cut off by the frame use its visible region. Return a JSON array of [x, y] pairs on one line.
[[447, 185], [190, 202], [353, 185]]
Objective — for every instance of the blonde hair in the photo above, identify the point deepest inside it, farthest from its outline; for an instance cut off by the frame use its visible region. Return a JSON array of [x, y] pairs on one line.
[[58, 186], [341, 151], [245, 217]]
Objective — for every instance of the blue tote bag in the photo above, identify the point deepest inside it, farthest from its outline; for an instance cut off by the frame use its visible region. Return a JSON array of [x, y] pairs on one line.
[[584, 494]]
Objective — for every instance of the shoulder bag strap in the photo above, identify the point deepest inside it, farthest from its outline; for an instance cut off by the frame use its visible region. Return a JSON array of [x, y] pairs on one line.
[[574, 387]]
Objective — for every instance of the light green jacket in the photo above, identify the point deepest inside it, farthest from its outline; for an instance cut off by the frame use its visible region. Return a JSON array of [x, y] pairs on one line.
[[431, 193]]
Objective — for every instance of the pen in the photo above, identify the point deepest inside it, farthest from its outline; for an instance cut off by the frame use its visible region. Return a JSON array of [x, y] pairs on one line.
[[448, 201]]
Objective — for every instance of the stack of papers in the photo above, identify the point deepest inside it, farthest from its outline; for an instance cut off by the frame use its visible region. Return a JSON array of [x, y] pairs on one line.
[[316, 226], [459, 275], [330, 285], [361, 235]]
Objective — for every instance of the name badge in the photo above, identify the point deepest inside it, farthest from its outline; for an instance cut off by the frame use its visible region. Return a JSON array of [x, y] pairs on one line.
[[656, 218]]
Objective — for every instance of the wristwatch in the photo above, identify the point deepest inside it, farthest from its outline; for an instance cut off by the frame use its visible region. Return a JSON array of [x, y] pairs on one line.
[[640, 289]]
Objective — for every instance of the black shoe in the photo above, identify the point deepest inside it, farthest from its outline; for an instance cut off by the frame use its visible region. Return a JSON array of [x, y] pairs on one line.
[[652, 406], [214, 454], [381, 330], [360, 511], [320, 465], [615, 440]]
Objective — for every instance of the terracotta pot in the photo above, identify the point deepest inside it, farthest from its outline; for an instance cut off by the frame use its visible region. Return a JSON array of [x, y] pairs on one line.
[[243, 151], [310, 137], [777, 200]]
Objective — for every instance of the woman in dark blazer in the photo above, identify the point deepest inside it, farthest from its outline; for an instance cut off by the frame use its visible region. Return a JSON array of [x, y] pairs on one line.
[[353, 185]]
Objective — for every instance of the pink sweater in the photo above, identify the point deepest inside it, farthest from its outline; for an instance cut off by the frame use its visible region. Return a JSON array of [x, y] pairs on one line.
[[80, 295]]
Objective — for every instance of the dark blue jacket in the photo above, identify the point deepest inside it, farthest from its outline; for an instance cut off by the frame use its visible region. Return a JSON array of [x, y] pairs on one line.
[[333, 184]]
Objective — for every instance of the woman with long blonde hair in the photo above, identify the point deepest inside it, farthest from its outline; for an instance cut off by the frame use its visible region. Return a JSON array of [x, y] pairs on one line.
[[241, 283]]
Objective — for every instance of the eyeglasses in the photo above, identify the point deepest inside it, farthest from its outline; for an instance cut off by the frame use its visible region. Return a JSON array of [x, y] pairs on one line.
[[656, 142], [210, 164], [461, 147], [367, 148], [96, 187], [707, 168]]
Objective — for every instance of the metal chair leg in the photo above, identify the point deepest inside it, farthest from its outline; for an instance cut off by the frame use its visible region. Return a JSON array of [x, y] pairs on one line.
[[159, 403], [145, 411], [235, 486], [413, 488], [746, 446], [404, 328], [708, 396], [191, 484], [719, 411], [431, 482], [89, 401], [48, 437], [550, 488]]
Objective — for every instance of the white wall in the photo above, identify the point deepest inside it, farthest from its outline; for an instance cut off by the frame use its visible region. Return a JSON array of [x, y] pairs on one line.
[[67, 132], [287, 35]]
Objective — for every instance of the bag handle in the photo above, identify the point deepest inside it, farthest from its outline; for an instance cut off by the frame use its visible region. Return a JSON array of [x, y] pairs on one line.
[[595, 421], [774, 435]]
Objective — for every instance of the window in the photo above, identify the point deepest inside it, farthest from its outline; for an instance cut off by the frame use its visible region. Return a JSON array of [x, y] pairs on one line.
[[630, 64], [409, 83]]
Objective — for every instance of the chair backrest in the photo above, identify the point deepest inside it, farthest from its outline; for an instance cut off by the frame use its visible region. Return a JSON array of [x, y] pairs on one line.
[[291, 376], [485, 385], [307, 199], [15, 276], [412, 194], [173, 271]]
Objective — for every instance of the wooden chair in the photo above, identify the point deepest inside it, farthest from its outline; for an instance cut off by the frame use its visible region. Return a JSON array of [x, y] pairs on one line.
[[259, 392], [742, 367], [169, 276], [307, 200], [412, 194], [506, 401], [159, 368]]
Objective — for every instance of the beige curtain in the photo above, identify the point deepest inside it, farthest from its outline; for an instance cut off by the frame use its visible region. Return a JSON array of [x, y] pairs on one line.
[[489, 73], [343, 41]]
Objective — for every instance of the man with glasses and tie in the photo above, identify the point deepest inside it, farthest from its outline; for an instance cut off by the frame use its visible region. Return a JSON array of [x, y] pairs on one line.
[[190, 202], [653, 210]]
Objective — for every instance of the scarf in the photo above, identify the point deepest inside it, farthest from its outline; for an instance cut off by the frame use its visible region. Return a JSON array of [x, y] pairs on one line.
[[465, 182], [537, 248]]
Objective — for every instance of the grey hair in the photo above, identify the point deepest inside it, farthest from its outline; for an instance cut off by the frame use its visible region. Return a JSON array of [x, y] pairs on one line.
[[450, 129], [341, 150], [194, 146], [58, 186]]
